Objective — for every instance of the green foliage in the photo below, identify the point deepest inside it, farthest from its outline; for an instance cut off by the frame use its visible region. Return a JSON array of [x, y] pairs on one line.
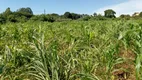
[[109, 13], [71, 50], [86, 18], [67, 15], [35, 18], [27, 12], [86, 49], [95, 14], [43, 17], [127, 17], [99, 17], [7, 13], [73, 16], [140, 14], [12, 18], [2, 19]]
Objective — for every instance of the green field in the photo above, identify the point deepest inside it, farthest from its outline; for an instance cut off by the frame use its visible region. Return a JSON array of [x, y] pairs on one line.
[[71, 50]]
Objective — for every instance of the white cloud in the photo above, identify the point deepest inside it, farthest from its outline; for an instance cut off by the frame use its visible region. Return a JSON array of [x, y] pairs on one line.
[[128, 7]]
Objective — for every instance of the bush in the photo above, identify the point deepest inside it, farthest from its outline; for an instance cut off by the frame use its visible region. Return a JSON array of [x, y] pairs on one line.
[[2, 19], [50, 19], [86, 18], [12, 18]]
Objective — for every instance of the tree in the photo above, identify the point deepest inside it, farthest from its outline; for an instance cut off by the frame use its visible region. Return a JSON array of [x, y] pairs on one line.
[[75, 16], [125, 16], [25, 12], [12, 18], [67, 15], [7, 13], [42, 17], [2, 19], [54, 15], [140, 14], [86, 18], [95, 14], [99, 17], [109, 13], [35, 18], [50, 19]]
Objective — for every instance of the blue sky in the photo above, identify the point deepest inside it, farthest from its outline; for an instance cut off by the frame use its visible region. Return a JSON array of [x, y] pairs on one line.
[[61, 6]]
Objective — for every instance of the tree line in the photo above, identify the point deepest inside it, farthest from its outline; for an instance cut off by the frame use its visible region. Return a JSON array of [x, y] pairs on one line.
[[26, 14]]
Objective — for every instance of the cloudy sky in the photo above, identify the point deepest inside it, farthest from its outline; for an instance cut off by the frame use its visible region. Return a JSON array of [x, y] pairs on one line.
[[76, 6], [126, 7]]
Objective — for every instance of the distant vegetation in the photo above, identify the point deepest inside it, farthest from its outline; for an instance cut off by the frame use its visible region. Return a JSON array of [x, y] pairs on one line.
[[26, 14]]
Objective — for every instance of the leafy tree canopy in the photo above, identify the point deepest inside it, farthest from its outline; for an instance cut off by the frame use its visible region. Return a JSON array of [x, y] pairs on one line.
[[109, 13], [7, 12], [25, 12]]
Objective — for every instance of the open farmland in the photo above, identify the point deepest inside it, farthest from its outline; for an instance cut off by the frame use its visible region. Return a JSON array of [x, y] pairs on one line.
[[75, 50]]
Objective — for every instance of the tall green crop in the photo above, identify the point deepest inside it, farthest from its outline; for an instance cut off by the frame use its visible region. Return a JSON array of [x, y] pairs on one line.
[[75, 50]]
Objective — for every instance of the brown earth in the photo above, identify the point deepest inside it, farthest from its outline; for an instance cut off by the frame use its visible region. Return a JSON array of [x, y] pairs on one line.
[[126, 69]]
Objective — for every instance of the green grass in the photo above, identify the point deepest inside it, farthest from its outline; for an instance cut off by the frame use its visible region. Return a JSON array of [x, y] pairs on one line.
[[76, 50]]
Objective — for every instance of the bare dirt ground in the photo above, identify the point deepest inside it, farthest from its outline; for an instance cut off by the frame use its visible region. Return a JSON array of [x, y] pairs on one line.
[[125, 70]]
